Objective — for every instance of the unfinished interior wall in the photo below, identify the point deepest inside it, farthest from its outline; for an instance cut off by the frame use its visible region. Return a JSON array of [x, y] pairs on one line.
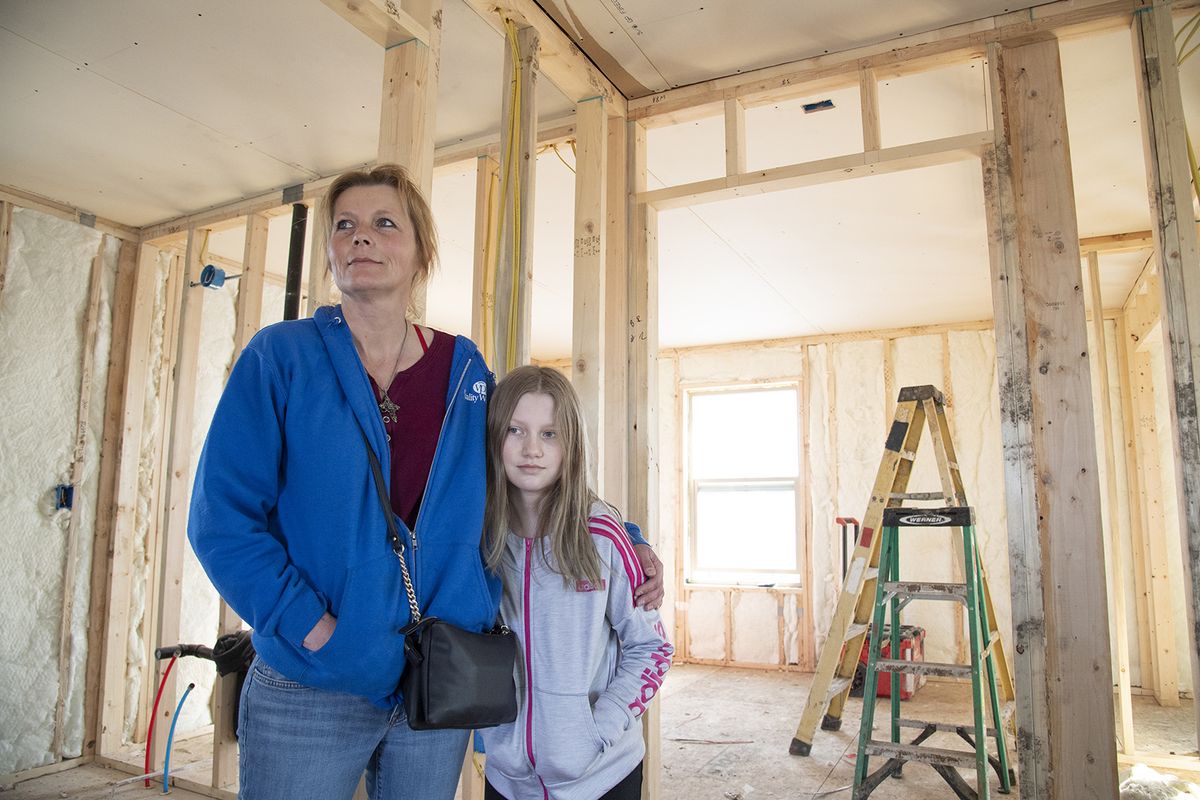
[[850, 400], [849, 388], [43, 314], [145, 515]]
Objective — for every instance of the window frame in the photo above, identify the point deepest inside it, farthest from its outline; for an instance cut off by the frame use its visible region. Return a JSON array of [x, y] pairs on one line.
[[696, 574]]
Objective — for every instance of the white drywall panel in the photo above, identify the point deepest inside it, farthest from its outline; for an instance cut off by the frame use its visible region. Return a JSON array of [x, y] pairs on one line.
[[782, 133], [936, 103], [706, 624], [687, 152], [975, 421], [42, 319], [755, 627]]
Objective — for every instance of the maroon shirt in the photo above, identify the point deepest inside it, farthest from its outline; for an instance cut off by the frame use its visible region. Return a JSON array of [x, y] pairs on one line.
[[419, 393]]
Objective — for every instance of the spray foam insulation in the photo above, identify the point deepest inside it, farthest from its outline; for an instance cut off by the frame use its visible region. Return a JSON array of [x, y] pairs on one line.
[[42, 323]]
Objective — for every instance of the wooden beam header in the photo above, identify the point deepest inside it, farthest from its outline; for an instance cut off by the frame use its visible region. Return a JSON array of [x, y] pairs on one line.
[[382, 21]]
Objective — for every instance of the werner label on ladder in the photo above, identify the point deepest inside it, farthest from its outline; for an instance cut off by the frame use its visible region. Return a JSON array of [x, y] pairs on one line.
[[917, 406]]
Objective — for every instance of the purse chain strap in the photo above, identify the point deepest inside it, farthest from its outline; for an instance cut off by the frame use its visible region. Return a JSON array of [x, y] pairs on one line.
[[393, 533]]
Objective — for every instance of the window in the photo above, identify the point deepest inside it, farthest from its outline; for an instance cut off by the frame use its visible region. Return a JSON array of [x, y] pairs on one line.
[[744, 485]]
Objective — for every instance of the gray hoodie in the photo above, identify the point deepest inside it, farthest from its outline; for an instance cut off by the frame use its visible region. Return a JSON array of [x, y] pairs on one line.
[[590, 661]]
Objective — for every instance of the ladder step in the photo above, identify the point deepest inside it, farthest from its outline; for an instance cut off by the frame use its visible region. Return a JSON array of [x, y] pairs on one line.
[[991, 642], [836, 687], [926, 755], [856, 630], [941, 727], [927, 590], [917, 496], [923, 668]]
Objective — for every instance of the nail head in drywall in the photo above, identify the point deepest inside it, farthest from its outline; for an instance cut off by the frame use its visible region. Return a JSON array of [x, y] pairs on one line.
[[820, 105]]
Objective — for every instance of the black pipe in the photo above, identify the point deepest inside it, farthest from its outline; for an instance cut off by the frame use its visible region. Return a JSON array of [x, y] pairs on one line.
[[291, 297]]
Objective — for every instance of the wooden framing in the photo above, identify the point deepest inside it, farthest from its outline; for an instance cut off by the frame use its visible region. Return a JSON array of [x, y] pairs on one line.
[[868, 92], [1056, 549], [112, 684], [247, 321], [22, 199], [386, 23], [320, 277], [483, 273], [825, 170], [1164, 132], [1116, 570], [91, 325], [103, 546], [6, 212], [612, 473], [169, 554], [517, 170], [1137, 536], [591, 235], [642, 399], [735, 137]]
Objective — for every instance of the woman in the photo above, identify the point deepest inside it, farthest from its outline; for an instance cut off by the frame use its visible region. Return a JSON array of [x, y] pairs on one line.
[[286, 522]]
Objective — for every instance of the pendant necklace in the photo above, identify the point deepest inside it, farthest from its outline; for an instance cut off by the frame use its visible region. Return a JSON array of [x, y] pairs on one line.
[[388, 409]]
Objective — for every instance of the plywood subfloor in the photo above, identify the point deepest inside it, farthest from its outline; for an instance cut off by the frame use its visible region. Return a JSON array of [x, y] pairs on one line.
[[725, 737]]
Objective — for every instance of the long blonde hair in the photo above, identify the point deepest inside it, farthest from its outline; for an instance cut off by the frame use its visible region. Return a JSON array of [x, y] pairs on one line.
[[563, 516]]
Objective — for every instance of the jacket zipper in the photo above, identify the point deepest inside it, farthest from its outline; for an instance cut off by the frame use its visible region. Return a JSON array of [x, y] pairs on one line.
[[437, 450], [528, 659]]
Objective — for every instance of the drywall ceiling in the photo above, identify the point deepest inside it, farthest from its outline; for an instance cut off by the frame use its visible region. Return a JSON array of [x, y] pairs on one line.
[[140, 111]]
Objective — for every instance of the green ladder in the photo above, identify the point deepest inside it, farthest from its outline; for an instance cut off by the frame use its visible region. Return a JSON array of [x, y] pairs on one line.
[[892, 594]]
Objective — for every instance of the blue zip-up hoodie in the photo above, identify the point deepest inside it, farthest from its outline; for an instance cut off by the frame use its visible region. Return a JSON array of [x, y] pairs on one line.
[[286, 521]]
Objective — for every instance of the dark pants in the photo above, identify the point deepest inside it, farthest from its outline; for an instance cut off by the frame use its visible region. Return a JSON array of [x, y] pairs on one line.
[[630, 788]]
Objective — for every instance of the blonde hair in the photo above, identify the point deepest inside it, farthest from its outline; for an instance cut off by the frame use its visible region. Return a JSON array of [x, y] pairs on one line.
[[411, 199], [563, 517]]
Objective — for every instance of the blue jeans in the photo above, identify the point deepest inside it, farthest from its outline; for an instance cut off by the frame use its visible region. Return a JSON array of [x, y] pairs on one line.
[[296, 741]]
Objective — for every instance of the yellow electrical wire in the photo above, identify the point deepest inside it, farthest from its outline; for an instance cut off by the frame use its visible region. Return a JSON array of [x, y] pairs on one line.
[[510, 168], [1191, 26]]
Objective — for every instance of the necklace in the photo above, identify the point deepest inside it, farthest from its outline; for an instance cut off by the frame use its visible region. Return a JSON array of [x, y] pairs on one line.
[[388, 409]]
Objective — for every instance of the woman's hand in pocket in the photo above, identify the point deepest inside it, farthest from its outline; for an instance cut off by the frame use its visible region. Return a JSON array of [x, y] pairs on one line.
[[320, 633]]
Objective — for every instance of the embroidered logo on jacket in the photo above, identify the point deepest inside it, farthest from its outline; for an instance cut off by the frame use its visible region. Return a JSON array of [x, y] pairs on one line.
[[587, 586], [478, 392]]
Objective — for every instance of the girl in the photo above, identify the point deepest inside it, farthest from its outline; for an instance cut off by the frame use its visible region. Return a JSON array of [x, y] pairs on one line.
[[591, 660]]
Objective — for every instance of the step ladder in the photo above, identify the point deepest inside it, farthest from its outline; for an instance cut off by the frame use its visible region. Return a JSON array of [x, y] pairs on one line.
[[892, 595], [916, 407]]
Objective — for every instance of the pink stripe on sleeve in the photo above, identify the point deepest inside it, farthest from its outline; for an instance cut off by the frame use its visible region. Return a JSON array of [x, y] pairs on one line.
[[602, 526]]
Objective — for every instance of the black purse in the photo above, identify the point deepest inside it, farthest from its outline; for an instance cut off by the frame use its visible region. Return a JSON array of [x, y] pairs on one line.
[[453, 678]]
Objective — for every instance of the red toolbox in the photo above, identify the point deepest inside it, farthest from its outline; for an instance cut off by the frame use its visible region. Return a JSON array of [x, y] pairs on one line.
[[912, 648]]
